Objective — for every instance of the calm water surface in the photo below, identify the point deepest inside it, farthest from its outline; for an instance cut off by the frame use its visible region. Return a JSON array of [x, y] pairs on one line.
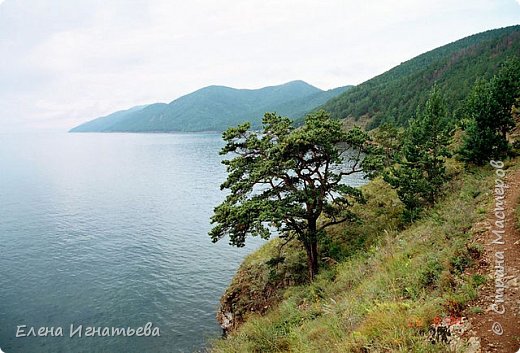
[[111, 230]]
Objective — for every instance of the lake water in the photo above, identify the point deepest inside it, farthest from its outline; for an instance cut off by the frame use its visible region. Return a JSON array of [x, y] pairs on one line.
[[111, 230]]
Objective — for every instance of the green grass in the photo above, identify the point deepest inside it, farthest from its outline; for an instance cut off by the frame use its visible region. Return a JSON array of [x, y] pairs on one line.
[[388, 283]]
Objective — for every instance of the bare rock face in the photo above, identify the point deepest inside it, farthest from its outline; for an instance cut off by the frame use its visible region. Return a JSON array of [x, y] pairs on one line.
[[247, 294], [260, 282], [226, 321]]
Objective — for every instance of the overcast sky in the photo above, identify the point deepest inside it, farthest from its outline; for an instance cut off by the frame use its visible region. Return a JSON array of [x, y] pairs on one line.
[[63, 62]]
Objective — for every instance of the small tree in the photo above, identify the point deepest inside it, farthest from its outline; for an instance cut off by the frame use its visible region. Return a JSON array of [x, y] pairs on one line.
[[389, 138], [489, 109], [515, 111], [420, 172], [290, 179]]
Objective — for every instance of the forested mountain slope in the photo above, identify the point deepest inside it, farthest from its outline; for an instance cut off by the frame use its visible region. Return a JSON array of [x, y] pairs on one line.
[[214, 108], [395, 94]]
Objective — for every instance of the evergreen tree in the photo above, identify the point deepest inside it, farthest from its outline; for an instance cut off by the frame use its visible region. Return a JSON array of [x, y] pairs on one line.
[[489, 108], [291, 180], [389, 138], [516, 133], [420, 172]]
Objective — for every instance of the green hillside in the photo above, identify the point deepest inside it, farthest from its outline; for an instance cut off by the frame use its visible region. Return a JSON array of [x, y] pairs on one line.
[[382, 297], [214, 108], [395, 94]]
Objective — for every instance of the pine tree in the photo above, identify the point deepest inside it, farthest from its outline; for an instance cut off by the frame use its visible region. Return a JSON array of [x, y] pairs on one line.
[[389, 138], [291, 180], [489, 109], [420, 172]]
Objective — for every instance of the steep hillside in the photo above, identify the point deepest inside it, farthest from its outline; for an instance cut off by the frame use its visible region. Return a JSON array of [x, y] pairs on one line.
[[386, 295], [214, 108], [395, 94]]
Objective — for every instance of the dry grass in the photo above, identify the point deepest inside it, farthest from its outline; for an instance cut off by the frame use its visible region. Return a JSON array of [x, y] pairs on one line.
[[389, 283]]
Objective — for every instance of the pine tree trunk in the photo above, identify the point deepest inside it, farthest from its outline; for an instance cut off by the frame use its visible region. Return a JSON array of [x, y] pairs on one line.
[[311, 247], [312, 260]]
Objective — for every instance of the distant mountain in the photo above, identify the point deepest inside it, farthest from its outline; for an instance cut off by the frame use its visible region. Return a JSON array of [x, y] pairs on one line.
[[215, 108], [395, 94]]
